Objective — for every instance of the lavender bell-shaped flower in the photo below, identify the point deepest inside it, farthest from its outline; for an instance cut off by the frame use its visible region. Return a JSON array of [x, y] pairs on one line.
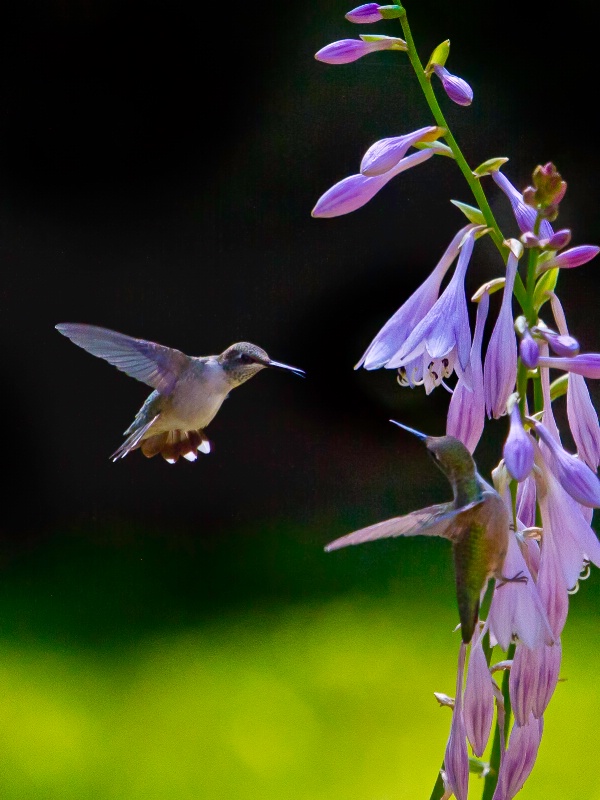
[[586, 364], [517, 608], [346, 50], [518, 449], [519, 758], [444, 332], [525, 215], [466, 412], [479, 698], [573, 474], [456, 759], [583, 421], [355, 191], [457, 89], [384, 154], [397, 329], [500, 367], [533, 678]]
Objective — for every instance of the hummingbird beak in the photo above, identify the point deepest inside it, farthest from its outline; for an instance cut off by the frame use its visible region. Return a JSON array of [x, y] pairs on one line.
[[418, 434], [279, 365]]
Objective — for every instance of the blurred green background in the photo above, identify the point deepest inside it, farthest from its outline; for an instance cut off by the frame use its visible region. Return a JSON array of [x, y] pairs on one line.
[[138, 665], [179, 632]]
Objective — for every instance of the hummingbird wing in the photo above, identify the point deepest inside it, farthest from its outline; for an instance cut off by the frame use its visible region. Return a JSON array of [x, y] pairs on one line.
[[151, 363], [436, 520]]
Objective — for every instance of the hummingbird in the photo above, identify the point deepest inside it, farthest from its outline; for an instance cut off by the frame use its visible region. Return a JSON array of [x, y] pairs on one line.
[[476, 521], [188, 390]]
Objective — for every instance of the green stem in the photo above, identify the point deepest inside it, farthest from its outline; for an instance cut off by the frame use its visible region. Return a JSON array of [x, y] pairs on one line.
[[491, 779], [473, 182]]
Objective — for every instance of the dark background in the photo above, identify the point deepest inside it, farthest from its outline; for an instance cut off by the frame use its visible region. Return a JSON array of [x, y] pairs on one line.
[[158, 166]]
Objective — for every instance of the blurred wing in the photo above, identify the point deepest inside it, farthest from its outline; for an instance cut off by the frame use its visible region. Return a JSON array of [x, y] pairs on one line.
[[151, 363], [437, 520]]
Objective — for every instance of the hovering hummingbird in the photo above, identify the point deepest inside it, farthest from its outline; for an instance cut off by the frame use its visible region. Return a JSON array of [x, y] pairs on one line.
[[476, 522], [188, 390]]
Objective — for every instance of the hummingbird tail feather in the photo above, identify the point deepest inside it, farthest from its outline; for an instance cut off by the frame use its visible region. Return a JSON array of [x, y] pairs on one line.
[[132, 442], [175, 444]]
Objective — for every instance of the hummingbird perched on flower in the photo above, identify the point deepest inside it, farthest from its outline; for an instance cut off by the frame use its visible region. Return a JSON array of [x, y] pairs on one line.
[[188, 390], [476, 522]]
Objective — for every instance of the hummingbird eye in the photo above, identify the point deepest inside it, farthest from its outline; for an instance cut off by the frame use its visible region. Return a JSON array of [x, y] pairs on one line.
[[246, 359]]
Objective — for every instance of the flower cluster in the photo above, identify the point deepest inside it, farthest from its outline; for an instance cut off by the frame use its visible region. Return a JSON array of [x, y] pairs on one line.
[[549, 493]]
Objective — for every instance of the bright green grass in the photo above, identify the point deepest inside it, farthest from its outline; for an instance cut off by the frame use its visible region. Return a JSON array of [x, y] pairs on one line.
[[323, 701]]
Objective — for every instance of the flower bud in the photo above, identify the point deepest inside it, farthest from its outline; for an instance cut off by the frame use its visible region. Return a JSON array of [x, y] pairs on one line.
[[365, 14], [456, 88], [346, 50], [518, 449]]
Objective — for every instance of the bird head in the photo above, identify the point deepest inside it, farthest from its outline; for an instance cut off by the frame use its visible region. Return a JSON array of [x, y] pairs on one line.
[[243, 360]]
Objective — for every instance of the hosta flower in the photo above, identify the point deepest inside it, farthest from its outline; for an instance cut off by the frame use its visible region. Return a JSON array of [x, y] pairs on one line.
[[560, 343], [369, 12], [397, 329], [533, 678], [456, 759], [568, 259], [574, 475], [518, 449], [479, 698], [529, 350], [517, 608], [444, 332], [525, 215], [519, 758], [386, 153], [500, 366], [586, 364], [456, 88], [353, 192], [347, 50], [466, 412]]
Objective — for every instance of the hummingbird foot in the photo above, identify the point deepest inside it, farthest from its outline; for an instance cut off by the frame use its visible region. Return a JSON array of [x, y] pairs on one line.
[[520, 577]]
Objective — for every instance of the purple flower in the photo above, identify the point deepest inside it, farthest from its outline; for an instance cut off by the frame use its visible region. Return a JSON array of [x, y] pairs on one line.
[[574, 475], [533, 678], [583, 421], [568, 259], [518, 449], [466, 412], [586, 364], [568, 544], [386, 153], [347, 50], [500, 367], [479, 699], [444, 332], [525, 215], [517, 608], [356, 190], [398, 328], [519, 758], [562, 344], [456, 88], [367, 13], [529, 349], [456, 759]]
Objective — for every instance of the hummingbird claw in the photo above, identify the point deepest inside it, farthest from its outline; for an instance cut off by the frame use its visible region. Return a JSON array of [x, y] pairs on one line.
[[520, 577]]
